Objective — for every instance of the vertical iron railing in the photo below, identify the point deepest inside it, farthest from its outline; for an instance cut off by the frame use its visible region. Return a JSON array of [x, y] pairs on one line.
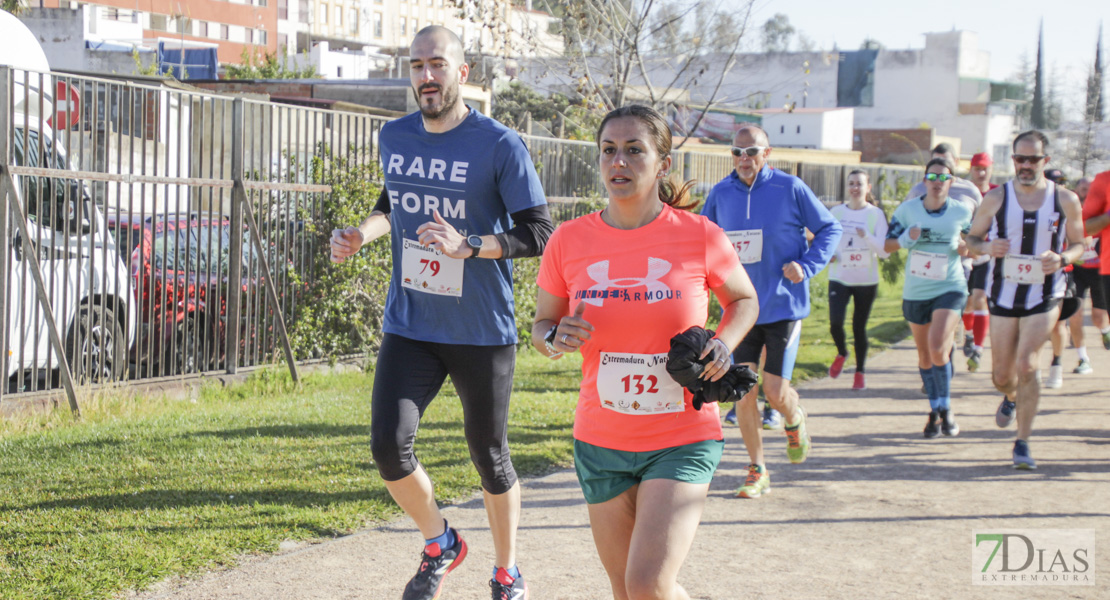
[[154, 232]]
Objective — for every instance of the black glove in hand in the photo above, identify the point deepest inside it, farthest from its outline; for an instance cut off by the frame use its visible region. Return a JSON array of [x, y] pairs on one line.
[[683, 364], [739, 380]]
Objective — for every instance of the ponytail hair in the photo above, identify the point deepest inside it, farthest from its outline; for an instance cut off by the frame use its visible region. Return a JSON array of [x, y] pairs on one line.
[[673, 191]]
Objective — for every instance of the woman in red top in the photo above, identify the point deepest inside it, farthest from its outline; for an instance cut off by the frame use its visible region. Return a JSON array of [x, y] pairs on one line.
[[618, 285]]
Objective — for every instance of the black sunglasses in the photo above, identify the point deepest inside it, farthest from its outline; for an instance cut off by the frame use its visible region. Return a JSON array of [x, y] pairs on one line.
[[1028, 158]]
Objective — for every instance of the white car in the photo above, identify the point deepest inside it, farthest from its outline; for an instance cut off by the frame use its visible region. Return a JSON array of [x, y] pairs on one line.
[[86, 282]]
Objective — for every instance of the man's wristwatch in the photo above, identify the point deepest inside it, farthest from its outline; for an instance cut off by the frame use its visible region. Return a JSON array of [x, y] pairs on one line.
[[475, 244], [549, 341]]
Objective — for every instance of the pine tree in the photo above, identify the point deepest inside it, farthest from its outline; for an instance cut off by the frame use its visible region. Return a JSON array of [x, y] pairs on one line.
[[1094, 85], [1038, 116]]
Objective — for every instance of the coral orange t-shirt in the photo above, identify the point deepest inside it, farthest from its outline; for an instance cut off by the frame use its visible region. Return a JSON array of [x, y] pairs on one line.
[[1098, 203], [641, 287]]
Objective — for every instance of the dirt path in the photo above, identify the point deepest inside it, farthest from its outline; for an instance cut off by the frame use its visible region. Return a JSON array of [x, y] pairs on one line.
[[876, 512]]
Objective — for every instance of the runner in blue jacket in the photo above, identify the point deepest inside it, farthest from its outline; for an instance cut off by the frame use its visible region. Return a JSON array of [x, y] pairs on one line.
[[766, 213]]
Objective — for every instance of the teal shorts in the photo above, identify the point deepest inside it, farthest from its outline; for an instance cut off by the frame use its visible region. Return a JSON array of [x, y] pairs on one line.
[[605, 474]]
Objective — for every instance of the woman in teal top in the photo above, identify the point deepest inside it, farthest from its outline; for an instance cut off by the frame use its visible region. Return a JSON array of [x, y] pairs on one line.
[[932, 227]]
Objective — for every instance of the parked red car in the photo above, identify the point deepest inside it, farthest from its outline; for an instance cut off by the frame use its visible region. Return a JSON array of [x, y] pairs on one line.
[[180, 266]]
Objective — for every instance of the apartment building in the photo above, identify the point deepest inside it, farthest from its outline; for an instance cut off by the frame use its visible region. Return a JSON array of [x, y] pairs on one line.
[[231, 25]]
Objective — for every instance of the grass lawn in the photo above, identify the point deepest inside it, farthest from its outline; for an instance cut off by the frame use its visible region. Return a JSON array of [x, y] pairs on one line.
[[141, 489]]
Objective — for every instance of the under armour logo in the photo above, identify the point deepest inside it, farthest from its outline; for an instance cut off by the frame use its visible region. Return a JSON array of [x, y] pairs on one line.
[[599, 272]]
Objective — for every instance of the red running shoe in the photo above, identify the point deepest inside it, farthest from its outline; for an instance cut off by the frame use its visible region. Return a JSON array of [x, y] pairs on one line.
[[858, 384], [837, 366]]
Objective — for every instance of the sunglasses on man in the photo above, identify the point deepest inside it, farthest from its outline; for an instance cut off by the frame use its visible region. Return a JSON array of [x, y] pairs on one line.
[[938, 177], [751, 151], [1028, 158]]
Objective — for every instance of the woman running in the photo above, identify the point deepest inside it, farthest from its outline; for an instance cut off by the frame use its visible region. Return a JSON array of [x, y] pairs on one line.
[[618, 285], [932, 227], [854, 271]]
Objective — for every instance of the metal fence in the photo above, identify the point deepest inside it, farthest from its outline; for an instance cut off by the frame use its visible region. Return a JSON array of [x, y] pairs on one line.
[[154, 232], [569, 170]]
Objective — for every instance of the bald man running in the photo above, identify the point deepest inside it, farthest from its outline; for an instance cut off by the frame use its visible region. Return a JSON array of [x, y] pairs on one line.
[[458, 215]]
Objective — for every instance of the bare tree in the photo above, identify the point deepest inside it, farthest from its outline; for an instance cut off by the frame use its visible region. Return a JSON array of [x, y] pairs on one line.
[[619, 51]]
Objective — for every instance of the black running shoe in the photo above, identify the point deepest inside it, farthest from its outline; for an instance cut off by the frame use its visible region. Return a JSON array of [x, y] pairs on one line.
[[435, 564], [504, 587], [948, 424], [932, 430]]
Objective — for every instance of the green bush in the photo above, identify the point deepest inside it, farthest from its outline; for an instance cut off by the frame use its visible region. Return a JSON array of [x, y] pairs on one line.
[[341, 305]]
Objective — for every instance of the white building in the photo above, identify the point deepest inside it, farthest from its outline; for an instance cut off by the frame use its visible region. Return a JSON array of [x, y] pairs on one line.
[[943, 87], [814, 128]]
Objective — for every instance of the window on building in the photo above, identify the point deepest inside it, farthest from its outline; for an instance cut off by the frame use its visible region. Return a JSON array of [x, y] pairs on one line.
[[225, 32], [352, 20], [323, 20], [304, 11], [158, 22], [799, 129], [260, 36], [283, 9], [283, 43], [415, 26], [782, 128], [378, 25], [403, 26], [339, 72], [203, 30], [182, 25]]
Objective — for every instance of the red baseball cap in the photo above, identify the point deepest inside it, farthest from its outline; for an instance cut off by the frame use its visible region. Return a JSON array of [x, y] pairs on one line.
[[981, 160]]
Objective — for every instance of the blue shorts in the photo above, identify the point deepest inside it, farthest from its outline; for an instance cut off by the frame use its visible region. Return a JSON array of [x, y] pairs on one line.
[[605, 473], [781, 338], [920, 312]]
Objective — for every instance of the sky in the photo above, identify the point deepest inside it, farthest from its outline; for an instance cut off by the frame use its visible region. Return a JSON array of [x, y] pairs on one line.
[[1006, 29]]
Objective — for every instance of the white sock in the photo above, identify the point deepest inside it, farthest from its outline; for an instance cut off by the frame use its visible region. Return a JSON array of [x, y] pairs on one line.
[[1082, 352], [1107, 330]]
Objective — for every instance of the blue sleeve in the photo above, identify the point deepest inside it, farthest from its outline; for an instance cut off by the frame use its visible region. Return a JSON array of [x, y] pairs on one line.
[[517, 180], [709, 210], [897, 223], [825, 227], [896, 228]]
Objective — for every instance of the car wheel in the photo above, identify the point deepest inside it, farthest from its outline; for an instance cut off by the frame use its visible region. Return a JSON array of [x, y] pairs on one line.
[[97, 346]]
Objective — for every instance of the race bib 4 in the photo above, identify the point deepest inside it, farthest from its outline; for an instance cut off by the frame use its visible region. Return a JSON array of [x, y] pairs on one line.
[[928, 265]]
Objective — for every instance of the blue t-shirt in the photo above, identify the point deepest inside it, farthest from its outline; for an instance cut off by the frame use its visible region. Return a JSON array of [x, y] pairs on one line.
[[937, 245], [475, 175]]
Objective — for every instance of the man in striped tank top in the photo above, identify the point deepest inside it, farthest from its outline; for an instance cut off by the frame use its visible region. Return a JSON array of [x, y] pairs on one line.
[[1035, 229]]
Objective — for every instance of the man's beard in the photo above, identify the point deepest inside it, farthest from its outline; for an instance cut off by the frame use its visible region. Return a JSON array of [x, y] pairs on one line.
[[1027, 178], [449, 99]]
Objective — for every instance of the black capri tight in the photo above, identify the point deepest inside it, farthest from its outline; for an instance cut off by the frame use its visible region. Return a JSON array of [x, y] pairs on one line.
[[409, 374], [864, 295]]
